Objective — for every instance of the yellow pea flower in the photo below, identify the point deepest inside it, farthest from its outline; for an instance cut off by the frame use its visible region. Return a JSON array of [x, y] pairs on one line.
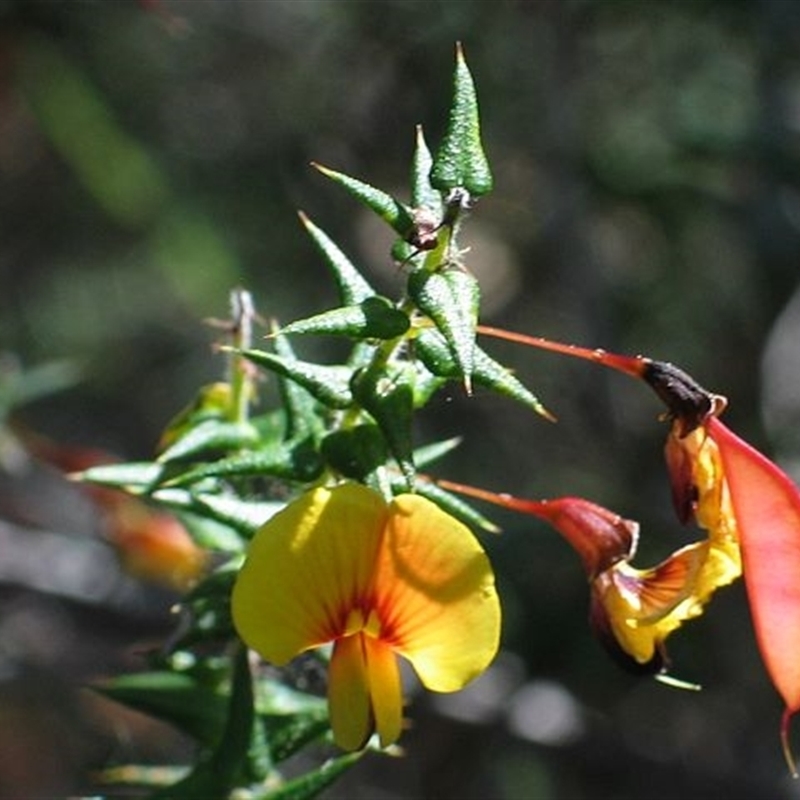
[[378, 580]]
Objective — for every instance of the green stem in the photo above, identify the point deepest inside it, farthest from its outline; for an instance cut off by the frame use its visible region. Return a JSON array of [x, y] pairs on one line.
[[242, 314]]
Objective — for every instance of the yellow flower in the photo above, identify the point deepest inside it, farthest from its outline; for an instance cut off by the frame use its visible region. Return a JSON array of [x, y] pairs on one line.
[[378, 580]]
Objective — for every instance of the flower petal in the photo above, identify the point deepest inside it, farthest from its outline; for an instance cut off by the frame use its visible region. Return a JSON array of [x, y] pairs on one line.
[[385, 689], [699, 488], [767, 507], [639, 603], [600, 537], [348, 693], [435, 594], [306, 569]]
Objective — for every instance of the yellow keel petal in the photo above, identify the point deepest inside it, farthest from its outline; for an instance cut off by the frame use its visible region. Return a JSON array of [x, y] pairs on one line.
[[349, 694], [385, 689]]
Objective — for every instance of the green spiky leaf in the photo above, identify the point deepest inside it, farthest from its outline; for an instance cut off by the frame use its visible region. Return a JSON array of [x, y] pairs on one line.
[[297, 461], [423, 193], [136, 477], [373, 318], [328, 384], [460, 161], [389, 398], [241, 515], [175, 697], [450, 298], [431, 348], [239, 756], [289, 733], [310, 784], [355, 452], [389, 209], [429, 453], [300, 407], [210, 436], [353, 287]]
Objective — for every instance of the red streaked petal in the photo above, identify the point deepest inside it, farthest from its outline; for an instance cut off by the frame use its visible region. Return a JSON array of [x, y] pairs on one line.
[[660, 589], [435, 595]]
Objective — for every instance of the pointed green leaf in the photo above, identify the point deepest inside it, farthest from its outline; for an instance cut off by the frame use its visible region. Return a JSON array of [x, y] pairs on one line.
[[429, 453], [450, 298], [297, 461], [134, 477], [328, 384], [210, 436], [384, 205], [271, 426], [355, 452], [240, 756], [301, 419], [244, 728], [373, 318], [205, 530], [310, 784], [353, 287], [288, 733], [389, 398], [423, 193], [460, 160], [426, 384], [246, 516], [361, 355], [174, 697], [432, 350], [242, 516]]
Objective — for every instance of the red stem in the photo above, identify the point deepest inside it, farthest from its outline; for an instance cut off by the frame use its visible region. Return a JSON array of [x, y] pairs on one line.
[[630, 365]]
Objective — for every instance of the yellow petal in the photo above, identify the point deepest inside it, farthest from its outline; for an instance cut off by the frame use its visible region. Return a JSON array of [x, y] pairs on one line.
[[435, 594], [640, 604], [385, 689], [645, 606], [306, 569], [348, 694]]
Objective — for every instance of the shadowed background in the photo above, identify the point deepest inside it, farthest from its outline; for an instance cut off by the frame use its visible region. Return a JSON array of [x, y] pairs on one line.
[[647, 200]]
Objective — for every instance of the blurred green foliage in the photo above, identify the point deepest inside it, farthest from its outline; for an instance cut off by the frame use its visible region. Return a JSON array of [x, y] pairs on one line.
[[647, 199]]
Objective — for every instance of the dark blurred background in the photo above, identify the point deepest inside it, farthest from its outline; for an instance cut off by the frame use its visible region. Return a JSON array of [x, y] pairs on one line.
[[647, 165]]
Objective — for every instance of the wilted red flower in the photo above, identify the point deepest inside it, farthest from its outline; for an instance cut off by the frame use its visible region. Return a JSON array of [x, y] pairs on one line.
[[632, 610]]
